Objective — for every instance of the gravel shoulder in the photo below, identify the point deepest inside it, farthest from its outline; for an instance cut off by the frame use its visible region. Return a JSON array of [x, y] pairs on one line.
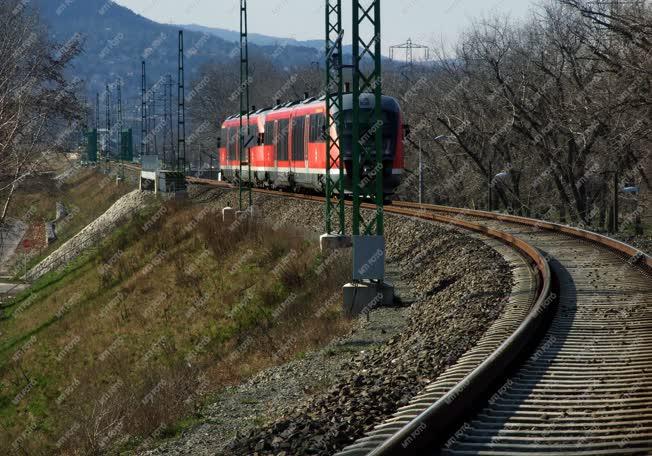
[[325, 400], [274, 392]]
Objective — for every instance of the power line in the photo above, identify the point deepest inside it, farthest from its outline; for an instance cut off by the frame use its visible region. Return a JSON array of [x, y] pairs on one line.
[[410, 48]]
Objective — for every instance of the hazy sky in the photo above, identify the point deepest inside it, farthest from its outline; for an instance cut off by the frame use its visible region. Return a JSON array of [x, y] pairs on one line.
[[425, 21]]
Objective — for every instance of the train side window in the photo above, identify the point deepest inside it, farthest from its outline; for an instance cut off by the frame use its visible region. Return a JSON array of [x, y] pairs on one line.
[[223, 137], [227, 143], [269, 133], [244, 134], [298, 138], [233, 143], [317, 122], [282, 140]]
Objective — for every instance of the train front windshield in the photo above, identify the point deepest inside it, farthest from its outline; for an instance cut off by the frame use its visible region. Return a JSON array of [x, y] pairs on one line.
[[368, 132]]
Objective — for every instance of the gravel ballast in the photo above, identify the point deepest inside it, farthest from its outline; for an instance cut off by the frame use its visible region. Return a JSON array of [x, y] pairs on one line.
[[320, 403]]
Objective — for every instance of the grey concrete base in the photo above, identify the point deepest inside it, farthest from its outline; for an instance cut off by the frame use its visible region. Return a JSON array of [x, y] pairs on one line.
[[61, 210], [50, 232], [329, 242], [228, 215], [362, 297]]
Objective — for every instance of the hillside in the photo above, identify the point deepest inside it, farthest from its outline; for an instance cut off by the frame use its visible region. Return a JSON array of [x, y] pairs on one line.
[[157, 316], [117, 40], [254, 38], [262, 40]]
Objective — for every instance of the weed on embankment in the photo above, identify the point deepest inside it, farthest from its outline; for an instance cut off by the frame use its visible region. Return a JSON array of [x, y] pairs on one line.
[[131, 339]]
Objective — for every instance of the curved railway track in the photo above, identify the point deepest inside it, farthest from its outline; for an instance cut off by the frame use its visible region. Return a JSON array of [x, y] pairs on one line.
[[574, 378], [587, 387]]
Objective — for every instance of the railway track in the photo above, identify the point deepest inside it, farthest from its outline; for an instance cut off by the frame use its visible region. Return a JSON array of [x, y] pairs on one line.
[[574, 378], [586, 389]]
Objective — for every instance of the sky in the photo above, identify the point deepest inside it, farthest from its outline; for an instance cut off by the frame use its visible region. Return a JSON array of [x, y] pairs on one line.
[[427, 22]]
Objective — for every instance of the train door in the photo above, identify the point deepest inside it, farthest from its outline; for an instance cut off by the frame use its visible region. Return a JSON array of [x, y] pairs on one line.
[[316, 150], [274, 147], [306, 151], [232, 151], [292, 151], [282, 152], [298, 148], [268, 152]]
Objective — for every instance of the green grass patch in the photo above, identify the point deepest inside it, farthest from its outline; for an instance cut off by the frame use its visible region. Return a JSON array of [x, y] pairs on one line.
[[162, 319]]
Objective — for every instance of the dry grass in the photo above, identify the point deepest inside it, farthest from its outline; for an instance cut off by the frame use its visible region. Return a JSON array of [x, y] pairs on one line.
[[135, 337]]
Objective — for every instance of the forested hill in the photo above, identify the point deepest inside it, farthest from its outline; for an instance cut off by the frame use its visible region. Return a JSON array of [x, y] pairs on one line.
[[117, 39]]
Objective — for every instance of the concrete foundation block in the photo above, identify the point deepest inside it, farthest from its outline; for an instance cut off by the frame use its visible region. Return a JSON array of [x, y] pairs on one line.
[[50, 233], [363, 297], [330, 242], [228, 215], [61, 210]]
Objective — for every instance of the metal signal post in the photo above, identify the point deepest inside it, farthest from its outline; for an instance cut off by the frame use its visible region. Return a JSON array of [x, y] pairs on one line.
[[144, 146], [153, 121], [169, 135], [181, 113], [368, 283], [334, 119], [121, 146], [108, 122], [97, 121], [367, 79], [244, 106]]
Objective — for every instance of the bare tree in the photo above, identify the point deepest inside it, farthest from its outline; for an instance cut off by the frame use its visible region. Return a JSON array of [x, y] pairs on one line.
[[37, 104], [555, 106]]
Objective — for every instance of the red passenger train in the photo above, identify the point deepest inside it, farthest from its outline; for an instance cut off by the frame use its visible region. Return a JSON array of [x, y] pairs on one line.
[[290, 149]]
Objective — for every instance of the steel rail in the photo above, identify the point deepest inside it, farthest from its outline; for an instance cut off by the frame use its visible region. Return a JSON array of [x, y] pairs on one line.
[[636, 255], [587, 389]]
